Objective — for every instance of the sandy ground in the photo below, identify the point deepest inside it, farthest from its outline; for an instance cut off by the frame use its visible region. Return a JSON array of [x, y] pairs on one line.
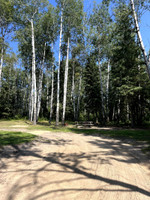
[[67, 166]]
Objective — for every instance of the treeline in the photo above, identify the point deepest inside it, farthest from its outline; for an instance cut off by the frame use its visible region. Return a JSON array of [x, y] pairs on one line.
[[74, 65]]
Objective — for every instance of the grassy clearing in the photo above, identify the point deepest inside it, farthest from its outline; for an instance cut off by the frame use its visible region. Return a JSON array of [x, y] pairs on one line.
[[12, 138], [142, 135], [10, 123]]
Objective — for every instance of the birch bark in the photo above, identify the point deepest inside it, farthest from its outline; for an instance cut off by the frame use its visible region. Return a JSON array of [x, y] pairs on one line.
[[65, 83], [147, 60], [73, 86], [107, 86], [52, 92], [47, 91], [1, 64], [39, 93], [30, 97], [58, 73], [34, 100], [31, 100], [40, 83], [73, 90], [107, 89]]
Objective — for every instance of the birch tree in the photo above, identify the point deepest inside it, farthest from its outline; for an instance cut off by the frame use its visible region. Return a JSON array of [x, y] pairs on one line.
[[78, 64], [100, 22], [124, 68], [65, 82], [6, 19], [28, 11], [47, 35], [73, 20], [52, 90], [61, 5], [146, 58], [40, 83], [52, 31]]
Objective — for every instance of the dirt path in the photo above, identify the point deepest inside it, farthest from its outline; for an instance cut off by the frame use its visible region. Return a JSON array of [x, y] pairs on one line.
[[67, 166]]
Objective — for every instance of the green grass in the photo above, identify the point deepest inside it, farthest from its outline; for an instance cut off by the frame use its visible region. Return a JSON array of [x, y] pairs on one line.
[[13, 138], [142, 135], [12, 122]]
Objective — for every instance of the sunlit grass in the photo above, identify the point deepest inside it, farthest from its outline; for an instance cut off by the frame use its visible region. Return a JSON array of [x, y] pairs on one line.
[[9, 123], [13, 138]]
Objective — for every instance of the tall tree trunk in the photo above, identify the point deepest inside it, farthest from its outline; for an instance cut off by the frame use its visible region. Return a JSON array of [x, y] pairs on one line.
[[1, 64], [40, 83], [65, 83], [107, 89], [52, 92], [147, 60], [73, 90], [33, 75], [39, 93], [101, 85], [119, 110], [47, 90], [31, 102], [58, 73], [128, 112]]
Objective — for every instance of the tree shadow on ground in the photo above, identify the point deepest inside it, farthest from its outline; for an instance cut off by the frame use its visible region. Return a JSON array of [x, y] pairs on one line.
[[67, 163], [139, 136]]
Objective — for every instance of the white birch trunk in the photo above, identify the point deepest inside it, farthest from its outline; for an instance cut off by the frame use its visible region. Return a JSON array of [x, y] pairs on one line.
[[107, 88], [33, 75], [30, 97], [58, 73], [2, 59], [40, 84], [65, 83], [47, 91], [52, 92], [79, 94], [73, 86], [1, 66], [147, 60], [73, 90], [39, 93], [31, 103]]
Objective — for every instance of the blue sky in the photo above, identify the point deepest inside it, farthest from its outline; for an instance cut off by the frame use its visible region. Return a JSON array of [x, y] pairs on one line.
[[145, 29], [144, 26]]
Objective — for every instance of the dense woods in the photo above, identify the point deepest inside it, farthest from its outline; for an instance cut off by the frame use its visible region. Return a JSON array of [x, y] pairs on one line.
[[74, 64]]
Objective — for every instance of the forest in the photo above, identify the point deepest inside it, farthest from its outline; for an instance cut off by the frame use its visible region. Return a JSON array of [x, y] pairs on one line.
[[72, 64], [74, 100]]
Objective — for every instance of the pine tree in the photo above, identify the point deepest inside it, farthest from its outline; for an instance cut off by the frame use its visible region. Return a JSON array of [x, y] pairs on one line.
[[92, 88]]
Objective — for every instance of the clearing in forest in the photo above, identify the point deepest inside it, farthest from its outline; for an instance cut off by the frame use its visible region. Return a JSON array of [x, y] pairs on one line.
[[64, 166]]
